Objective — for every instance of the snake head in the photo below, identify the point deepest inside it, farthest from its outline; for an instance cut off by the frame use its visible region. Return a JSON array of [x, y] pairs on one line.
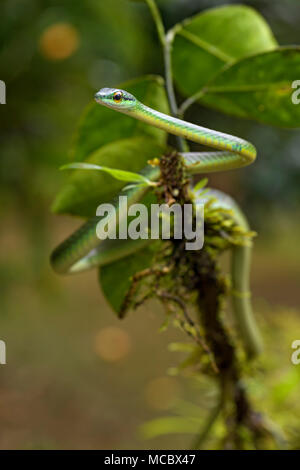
[[115, 98]]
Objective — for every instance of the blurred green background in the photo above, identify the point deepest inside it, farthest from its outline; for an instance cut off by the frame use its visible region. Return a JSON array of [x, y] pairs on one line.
[[76, 377]]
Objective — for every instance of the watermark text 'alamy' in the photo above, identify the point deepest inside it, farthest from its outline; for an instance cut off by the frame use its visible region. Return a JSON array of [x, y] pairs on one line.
[[159, 221]]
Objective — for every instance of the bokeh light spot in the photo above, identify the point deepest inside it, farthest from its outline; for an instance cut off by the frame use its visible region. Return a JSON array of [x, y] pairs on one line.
[[162, 393], [112, 344], [59, 41]]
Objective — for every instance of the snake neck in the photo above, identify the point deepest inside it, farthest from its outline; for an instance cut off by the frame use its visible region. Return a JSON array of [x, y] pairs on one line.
[[193, 132], [165, 122]]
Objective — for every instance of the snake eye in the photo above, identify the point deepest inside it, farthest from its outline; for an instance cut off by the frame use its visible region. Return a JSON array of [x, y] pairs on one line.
[[117, 97]]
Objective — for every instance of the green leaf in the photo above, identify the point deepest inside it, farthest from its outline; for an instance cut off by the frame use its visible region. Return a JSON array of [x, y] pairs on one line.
[[100, 125], [120, 175], [288, 383], [259, 87], [203, 182], [136, 185], [84, 191], [181, 347], [170, 425], [204, 44], [115, 278]]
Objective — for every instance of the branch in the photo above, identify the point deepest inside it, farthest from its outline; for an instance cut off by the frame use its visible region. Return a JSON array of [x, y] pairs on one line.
[[191, 100]]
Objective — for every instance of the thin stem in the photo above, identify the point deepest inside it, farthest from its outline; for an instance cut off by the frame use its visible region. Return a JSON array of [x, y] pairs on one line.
[[198, 338], [157, 20], [166, 42], [181, 143], [204, 432], [169, 76], [189, 101]]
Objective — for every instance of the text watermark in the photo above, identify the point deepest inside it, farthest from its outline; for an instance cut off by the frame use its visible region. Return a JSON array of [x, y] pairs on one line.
[[295, 357], [2, 92], [159, 221], [2, 352], [296, 94]]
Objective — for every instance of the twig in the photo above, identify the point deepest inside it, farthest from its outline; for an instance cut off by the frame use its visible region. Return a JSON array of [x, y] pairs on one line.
[[207, 427], [189, 101], [198, 337], [136, 278], [157, 20]]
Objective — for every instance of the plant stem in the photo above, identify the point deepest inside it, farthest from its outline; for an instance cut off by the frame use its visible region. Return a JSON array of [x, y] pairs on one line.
[[169, 78], [190, 101], [207, 427], [157, 20], [166, 42]]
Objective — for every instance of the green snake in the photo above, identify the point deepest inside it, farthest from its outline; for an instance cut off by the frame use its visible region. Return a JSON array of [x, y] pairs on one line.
[[83, 250]]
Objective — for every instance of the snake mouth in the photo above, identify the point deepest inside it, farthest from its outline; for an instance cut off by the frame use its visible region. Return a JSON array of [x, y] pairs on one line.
[[105, 96], [101, 95]]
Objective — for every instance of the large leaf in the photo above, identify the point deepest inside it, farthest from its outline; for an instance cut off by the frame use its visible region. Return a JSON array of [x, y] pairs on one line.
[[210, 40], [259, 87], [116, 278], [100, 125], [85, 190]]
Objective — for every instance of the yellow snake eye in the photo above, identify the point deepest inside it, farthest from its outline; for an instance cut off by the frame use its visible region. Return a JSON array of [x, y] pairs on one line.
[[117, 97]]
